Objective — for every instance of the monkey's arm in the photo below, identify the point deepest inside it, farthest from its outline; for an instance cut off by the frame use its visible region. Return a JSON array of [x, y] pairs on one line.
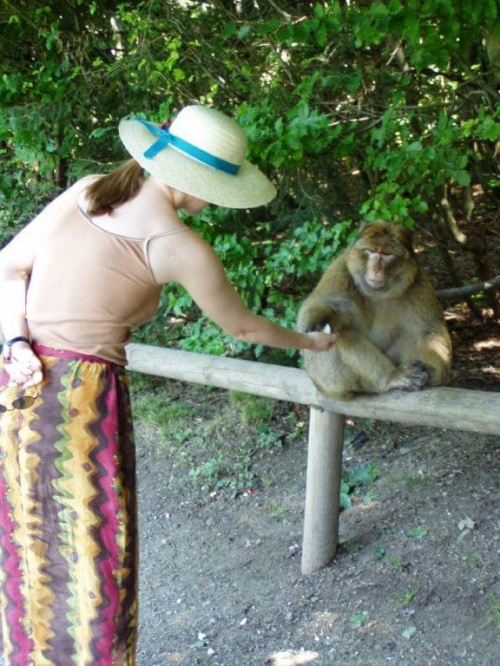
[[433, 348], [320, 311], [436, 352], [427, 338]]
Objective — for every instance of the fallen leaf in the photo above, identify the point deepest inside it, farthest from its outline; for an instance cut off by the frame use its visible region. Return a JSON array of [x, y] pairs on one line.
[[466, 524], [417, 532], [292, 658], [358, 619], [409, 632], [251, 543]]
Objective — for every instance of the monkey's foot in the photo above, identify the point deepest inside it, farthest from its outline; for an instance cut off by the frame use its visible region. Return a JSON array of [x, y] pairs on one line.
[[412, 377]]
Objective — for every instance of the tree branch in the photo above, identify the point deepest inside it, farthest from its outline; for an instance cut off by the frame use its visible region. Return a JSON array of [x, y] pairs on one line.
[[457, 293]]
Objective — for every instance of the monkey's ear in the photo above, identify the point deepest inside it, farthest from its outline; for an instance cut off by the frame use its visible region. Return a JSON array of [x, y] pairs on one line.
[[359, 232], [404, 236]]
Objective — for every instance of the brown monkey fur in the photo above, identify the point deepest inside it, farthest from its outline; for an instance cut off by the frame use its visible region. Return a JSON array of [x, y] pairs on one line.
[[392, 333]]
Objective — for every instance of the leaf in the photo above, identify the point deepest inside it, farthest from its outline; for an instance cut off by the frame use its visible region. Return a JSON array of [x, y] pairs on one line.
[[345, 500], [285, 33], [229, 30], [462, 177], [292, 658], [358, 619], [363, 474], [409, 632], [319, 11], [466, 524], [415, 147], [417, 532], [243, 32], [321, 35]]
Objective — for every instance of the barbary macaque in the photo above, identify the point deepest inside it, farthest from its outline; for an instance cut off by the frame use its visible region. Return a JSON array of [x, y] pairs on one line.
[[392, 333]]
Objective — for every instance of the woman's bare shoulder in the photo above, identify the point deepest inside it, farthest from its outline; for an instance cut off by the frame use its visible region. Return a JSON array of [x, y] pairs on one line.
[[178, 253]]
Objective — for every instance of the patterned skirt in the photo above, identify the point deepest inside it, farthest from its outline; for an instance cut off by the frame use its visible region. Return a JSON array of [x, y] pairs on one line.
[[68, 523]]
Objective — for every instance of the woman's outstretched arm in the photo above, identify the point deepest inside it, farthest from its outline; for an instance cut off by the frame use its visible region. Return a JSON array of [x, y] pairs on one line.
[[194, 264]]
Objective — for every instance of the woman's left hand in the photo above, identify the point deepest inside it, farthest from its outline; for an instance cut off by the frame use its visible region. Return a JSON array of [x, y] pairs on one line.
[[23, 366]]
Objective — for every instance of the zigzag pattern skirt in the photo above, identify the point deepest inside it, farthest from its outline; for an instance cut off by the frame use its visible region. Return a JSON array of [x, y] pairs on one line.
[[68, 525]]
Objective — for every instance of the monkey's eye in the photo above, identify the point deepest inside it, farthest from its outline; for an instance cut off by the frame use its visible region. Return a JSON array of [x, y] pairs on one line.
[[374, 254]]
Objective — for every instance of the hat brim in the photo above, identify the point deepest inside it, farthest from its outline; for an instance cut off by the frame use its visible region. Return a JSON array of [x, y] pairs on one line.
[[249, 188]]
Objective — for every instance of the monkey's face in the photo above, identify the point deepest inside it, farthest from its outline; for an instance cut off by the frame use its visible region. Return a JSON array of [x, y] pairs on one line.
[[377, 267], [381, 266]]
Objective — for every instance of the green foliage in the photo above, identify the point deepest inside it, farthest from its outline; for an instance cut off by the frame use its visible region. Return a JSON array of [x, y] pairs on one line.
[[417, 532], [218, 436], [356, 110], [408, 597], [494, 615], [353, 480], [223, 437], [254, 410], [359, 619]]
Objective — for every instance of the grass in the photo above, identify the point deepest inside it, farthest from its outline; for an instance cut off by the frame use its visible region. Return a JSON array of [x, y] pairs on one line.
[[419, 481], [221, 436], [397, 563], [494, 613], [254, 410], [155, 403], [218, 434], [408, 597], [277, 512]]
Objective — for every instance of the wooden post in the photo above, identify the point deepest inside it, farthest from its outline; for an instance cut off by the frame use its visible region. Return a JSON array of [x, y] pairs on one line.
[[324, 467]]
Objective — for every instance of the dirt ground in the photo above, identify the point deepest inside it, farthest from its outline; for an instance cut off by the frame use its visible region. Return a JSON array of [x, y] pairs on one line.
[[221, 580], [416, 580]]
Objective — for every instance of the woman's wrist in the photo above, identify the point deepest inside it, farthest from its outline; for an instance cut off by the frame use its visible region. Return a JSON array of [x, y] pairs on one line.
[[17, 339], [20, 341]]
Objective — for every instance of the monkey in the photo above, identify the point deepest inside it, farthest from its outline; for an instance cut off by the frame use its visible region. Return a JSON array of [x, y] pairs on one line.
[[382, 305]]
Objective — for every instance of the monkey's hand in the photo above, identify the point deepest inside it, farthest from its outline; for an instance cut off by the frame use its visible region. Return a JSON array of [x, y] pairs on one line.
[[316, 319], [324, 326], [325, 314]]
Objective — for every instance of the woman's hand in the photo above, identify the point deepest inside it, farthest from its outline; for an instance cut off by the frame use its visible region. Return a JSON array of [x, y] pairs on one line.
[[321, 342], [22, 365]]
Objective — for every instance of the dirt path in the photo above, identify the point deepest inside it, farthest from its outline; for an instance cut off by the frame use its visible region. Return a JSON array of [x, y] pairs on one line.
[[416, 581]]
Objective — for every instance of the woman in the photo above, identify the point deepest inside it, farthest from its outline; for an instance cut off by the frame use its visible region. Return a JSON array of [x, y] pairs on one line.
[[72, 285]]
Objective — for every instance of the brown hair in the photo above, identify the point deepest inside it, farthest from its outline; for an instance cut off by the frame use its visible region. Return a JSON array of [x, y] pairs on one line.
[[115, 188]]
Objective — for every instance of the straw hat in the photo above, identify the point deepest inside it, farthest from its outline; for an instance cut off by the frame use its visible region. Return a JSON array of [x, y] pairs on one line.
[[202, 152]]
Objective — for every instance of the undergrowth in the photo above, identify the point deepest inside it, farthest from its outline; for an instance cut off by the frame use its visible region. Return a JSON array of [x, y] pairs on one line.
[[223, 438]]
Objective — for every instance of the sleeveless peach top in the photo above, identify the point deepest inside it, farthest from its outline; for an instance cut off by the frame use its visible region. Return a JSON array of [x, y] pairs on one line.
[[89, 287]]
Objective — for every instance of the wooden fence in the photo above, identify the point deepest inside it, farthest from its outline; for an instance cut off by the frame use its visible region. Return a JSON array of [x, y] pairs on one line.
[[443, 407]]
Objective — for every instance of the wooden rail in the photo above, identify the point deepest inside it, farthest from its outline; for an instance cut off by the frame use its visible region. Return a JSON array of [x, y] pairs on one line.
[[443, 407]]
